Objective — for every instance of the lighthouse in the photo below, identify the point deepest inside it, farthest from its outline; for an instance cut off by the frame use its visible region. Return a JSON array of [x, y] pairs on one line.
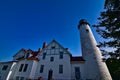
[[94, 68]]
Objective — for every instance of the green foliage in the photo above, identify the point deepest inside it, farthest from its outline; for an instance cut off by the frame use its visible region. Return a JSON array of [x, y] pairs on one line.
[[114, 68], [109, 25]]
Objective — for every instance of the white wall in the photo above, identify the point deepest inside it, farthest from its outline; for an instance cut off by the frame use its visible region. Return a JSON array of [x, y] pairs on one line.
[[6, 74], [31, 65], [33, 69], [55, 67], [81, 67], [55, 64], [94, 66], [12, 70]]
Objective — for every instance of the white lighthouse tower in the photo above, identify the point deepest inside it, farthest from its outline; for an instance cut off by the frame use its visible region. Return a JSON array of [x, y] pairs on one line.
[[94, 68]]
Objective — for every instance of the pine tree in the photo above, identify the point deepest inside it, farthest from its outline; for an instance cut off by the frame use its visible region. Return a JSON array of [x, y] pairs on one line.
[[109, 27]]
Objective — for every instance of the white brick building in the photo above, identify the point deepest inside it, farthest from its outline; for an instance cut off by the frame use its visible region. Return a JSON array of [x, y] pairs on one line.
[[55, 61]]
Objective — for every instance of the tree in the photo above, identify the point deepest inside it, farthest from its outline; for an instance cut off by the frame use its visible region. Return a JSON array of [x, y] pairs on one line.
[[114, 68], [108, 27]]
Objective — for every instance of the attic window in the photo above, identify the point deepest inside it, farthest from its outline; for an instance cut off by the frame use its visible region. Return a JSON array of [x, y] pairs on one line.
[[27, 55], [53, 47]]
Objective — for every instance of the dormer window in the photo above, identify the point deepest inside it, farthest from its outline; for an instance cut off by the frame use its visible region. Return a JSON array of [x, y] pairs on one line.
[[27, 55]]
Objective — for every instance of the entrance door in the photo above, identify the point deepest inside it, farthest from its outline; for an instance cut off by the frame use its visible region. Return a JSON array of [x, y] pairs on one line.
[[50, 74]]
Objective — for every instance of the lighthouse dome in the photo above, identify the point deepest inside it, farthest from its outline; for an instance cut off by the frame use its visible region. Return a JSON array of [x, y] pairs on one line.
[[83, 21]]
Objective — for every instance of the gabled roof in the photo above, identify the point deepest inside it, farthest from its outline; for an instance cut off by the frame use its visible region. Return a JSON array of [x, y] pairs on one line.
[[34, 54], [24, 50], [66, 49], [33, 57], [21, 58]]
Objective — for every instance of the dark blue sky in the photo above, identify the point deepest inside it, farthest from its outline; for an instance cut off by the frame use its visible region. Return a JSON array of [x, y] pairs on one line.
[[29, 23]]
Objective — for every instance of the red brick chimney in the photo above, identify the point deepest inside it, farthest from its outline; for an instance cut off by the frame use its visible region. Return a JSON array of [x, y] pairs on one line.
[[44, 45], [39, 49]]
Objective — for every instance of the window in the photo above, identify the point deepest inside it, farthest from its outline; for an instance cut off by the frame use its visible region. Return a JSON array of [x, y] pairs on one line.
[[51, 59], [77, 73], [21, 67], [61, 55], [41, 68], [5, 67], [87, 30], [22, 78], [53, 47], [44, 55], [77, 69], [17, 77], [25, 68], [27, 55], [60, 68]]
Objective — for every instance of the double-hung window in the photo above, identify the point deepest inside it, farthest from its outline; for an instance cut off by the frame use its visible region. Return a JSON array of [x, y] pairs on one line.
[[5, 67], [60, 69], [41, 68], [21, 67]]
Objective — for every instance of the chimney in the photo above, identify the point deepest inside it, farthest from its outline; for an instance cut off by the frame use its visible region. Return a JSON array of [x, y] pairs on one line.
[[39, 49], [66, 49], [44, 45]]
